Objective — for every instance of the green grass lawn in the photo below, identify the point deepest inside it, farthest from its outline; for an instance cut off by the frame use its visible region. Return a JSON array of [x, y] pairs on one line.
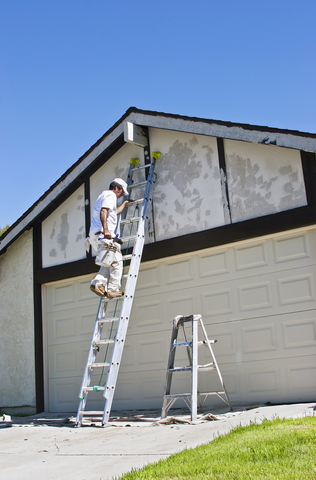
[[277, 449]]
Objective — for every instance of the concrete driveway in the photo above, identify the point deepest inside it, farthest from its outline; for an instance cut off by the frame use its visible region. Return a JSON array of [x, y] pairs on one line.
[[50, 447]]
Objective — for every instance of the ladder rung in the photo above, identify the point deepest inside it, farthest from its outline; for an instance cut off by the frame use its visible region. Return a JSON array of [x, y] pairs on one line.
[[130, 220], [103, 342], [108, 320], [127, 239], [179, 369], [140, 184], [86, 413], [98, 365], [141, 168], [131, 204], [128, 257], [91, 389]]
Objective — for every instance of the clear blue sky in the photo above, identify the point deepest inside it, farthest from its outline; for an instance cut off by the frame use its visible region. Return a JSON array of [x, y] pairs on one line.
[[69, 69]]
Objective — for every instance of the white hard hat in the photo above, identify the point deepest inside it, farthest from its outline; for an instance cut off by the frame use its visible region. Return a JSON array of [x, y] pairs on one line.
[[122, 184]]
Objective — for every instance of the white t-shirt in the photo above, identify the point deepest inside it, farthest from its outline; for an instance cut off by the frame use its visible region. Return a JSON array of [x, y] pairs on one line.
[[106, 199]]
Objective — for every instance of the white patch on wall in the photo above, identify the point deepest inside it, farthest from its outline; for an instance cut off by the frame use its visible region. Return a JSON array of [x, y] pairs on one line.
[[188, 196], [262, 179], [63, 232]]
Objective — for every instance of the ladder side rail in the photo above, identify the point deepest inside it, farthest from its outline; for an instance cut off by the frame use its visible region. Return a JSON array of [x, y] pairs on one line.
[[215, 363], [166, 404], [86, 379], [194, 372], [123, 214], [148, 189]]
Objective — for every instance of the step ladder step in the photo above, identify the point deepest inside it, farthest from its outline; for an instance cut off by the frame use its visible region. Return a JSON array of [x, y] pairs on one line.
[[179, 369], [182, 344], [98, 365], [207, 367], [180, 395], [127, 257], [108, 320], [204, 342]]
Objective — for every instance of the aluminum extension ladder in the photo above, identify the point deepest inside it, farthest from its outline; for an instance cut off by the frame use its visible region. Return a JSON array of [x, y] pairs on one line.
[[138, 226], [192, 346]]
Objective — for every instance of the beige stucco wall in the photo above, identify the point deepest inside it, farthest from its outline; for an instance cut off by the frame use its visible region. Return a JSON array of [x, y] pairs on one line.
[[17, 373]]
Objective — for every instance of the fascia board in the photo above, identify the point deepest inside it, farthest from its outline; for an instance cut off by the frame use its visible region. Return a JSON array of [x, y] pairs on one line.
[[280, 139]]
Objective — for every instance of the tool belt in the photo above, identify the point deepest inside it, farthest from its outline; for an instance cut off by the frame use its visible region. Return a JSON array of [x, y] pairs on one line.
[[106, 252]]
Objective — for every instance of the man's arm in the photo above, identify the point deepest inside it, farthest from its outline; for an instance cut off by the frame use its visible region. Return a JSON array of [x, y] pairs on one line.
[[122, 206], [104, 221]]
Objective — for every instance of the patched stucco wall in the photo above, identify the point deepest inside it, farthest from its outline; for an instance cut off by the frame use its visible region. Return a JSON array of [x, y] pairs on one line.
[[117, 167], [188, 196], [263, 179], [63, 232], [17, 372]]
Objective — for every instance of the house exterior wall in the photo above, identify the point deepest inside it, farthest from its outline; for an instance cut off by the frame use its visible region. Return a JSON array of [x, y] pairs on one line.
[[263, 179], [17, 373]]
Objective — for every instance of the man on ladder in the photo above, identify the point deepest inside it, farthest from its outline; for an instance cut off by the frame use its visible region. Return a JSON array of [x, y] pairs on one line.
[[107, 282]]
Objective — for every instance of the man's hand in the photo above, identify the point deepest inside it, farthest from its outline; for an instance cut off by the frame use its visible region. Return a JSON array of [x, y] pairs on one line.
[[107, 234]]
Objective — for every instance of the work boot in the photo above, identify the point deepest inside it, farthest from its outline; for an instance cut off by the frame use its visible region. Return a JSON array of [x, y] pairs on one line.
[[98, 290], [116, 294]]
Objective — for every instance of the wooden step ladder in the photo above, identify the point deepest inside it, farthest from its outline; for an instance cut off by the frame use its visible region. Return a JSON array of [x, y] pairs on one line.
[[192, 347], [133, 243]]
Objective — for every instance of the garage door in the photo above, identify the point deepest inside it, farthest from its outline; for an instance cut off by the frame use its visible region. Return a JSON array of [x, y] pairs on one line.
[[257, 298]]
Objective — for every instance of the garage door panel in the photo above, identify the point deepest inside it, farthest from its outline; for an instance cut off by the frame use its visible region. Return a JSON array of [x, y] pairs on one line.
[[301, 377], [217, 302], [299, 333], [70, 325], [180, 304], [297, 288], [179, 272], [63, 394], [145, 353], [67, 360], [65, 295], [149, 279], [147, 315], [294, 249]]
